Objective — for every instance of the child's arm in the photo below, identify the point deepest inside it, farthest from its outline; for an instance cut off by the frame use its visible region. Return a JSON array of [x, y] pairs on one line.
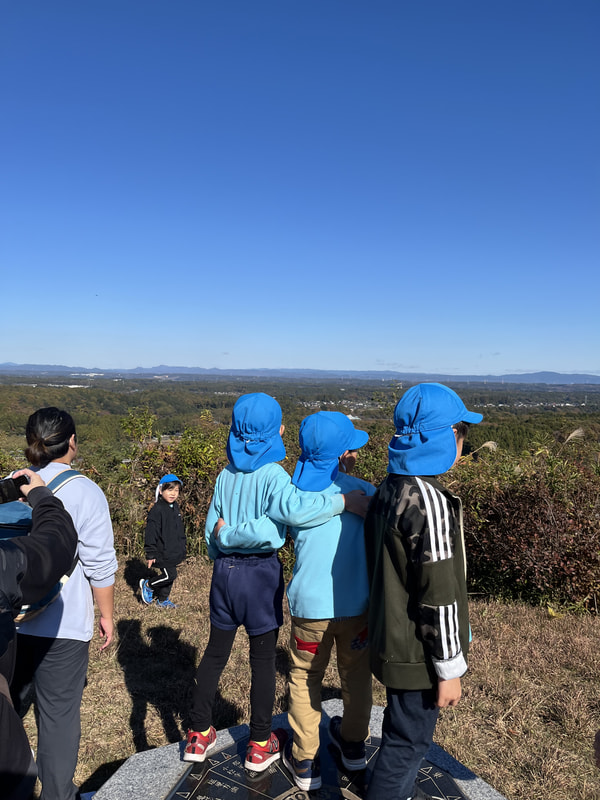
[[213, 514], [256, 533], [260, 534], [283, 504], [288, 507], [292, 506], [152, 536], [428, 531], [211, 518]]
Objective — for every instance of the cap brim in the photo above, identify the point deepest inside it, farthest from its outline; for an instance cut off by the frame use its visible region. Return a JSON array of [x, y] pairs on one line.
[[359, 439], [472, 417]]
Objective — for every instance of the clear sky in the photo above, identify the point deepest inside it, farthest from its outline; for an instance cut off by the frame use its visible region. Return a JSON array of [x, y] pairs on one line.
[[337, 184]]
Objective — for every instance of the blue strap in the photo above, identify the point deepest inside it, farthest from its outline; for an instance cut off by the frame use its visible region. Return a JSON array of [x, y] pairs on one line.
[[63, 477]]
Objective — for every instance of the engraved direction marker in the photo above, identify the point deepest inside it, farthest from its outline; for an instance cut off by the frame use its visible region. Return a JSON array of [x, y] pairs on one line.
[[224, 777]]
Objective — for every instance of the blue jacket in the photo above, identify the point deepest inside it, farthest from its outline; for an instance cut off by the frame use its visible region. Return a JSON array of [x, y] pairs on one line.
[[330, 572]]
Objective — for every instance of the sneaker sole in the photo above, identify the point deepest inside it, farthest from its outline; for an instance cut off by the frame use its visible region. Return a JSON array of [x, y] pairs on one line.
[[353, 765], [263, 765], [147, 602], [199, 758], [306, 784]]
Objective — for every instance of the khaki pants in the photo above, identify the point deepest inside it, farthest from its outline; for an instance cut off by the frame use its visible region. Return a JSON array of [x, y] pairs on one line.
[[310, 648]]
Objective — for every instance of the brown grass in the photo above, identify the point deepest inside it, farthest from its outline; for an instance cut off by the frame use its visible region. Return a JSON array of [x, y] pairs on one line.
[[526, 723]]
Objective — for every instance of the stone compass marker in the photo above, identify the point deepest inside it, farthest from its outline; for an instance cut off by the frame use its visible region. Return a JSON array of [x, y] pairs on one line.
[[160, 774]]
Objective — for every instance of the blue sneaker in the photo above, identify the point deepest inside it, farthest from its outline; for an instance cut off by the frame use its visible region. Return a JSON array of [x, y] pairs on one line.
[[307, 773], [165, 603], [147, 593]]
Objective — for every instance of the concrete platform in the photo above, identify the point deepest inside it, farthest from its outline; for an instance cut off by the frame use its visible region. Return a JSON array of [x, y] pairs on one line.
[[160, 774]]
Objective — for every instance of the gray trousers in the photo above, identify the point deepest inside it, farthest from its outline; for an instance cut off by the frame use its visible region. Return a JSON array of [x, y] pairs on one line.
[[56, 668]]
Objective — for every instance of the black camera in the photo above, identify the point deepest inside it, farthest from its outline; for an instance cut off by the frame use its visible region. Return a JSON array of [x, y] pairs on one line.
[[9, 488]]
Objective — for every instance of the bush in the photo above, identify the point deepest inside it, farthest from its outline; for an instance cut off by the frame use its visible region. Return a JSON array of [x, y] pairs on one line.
[[197, 459], [532, 524]]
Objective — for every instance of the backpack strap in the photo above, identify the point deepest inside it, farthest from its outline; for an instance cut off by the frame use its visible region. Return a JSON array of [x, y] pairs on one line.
[[54, 485], [63, 477]]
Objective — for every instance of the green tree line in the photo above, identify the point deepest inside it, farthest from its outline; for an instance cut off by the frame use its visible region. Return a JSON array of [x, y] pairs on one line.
[[530, 478]]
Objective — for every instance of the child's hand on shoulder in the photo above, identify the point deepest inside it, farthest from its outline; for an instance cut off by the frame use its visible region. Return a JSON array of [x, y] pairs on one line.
[[357, 502], [150, 562]]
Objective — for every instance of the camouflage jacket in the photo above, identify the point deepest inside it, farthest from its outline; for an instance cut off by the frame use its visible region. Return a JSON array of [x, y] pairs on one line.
[[418, 615]]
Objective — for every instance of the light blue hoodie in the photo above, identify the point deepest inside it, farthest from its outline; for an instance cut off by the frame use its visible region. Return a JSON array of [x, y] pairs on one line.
[[330, 571]]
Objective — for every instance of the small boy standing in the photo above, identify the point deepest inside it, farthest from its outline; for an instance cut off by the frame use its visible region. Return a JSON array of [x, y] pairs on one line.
[[164, 543], [247, 582], [418, 615], [328, 596]]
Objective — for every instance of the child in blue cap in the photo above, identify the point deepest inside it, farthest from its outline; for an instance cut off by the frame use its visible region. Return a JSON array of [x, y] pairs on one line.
[[328, 597], [164, 543], [247, 581], [418, 615]]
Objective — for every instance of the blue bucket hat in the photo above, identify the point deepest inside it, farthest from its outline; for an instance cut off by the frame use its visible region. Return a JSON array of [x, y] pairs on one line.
[[424, 443], [324, 436], [254, 438]]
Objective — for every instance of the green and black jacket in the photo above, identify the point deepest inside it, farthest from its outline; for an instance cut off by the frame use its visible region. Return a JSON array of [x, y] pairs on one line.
[[418, 615]]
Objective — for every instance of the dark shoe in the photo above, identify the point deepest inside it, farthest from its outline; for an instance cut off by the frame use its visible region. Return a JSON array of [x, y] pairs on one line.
[[258, 757], [197, 746], [306, 774], [354, 754]]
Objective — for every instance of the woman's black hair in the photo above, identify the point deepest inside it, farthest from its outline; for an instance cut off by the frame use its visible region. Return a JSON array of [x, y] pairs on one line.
[[48, 434]]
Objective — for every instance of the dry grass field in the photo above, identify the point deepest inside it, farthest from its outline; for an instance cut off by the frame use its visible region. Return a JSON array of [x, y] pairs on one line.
[[526, 724]]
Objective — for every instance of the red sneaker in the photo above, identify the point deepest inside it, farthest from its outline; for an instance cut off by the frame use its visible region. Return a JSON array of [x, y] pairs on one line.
[[258, 757], [197, 746]]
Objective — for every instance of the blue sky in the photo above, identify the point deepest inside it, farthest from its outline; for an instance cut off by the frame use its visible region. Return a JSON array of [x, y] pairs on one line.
[[341, 184]]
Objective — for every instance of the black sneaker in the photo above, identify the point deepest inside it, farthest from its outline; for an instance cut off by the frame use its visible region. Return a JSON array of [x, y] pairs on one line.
[[354, 754], [307, 773]]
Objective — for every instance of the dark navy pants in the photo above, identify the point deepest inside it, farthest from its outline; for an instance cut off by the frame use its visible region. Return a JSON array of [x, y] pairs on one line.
[[409, 721]]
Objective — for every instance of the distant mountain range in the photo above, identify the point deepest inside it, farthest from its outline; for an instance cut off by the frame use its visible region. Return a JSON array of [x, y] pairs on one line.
[[162, 371]]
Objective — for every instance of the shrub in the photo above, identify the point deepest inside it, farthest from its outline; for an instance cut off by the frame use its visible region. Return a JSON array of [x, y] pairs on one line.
[[532, 524]]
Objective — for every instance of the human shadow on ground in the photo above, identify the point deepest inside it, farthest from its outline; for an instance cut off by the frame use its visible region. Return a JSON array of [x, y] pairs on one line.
[[99, 777], [159, 672], [135, 570]]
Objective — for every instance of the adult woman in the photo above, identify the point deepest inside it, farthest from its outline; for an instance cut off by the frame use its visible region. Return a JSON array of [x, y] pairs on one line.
[[53, 647]]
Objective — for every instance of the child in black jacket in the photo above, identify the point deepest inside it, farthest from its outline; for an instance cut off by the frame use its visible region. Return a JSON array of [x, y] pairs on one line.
[[418, 615], [164, 542]]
